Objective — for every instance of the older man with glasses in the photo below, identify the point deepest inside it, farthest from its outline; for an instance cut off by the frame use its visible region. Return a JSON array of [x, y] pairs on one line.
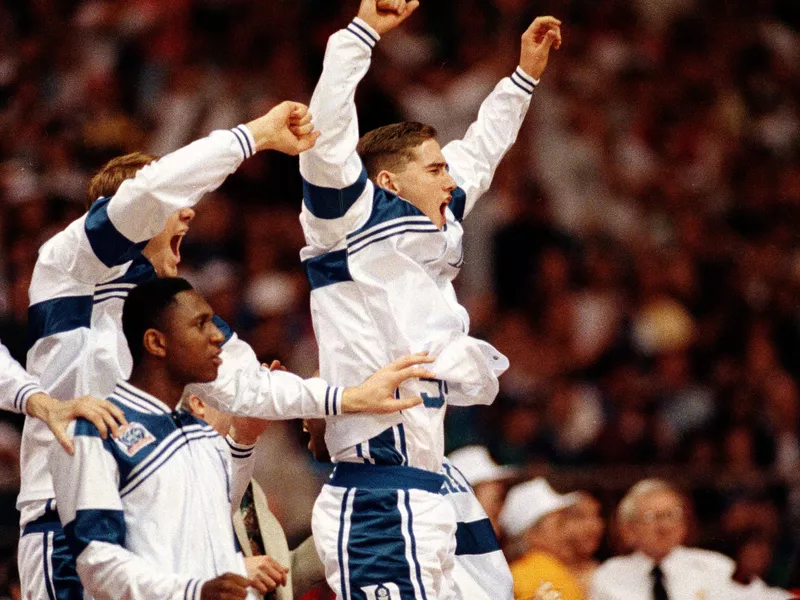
[[653, 522]]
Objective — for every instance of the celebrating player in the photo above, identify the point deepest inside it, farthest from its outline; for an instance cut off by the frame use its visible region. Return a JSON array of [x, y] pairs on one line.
[[148, 514], [382, 221]]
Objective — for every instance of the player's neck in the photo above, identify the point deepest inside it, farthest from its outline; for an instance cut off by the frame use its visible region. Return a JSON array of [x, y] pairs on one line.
[[158, 383]]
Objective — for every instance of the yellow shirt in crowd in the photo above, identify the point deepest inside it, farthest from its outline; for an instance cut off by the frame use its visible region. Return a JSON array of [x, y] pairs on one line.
[[535, 568]]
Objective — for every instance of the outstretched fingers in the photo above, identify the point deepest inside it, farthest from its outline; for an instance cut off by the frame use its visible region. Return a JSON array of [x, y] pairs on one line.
[[411, 359], [391, 405], [65, 441], [414, 373], [116, 414]]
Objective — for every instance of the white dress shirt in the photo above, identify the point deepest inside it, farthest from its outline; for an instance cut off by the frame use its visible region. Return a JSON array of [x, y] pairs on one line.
[[689, 574]]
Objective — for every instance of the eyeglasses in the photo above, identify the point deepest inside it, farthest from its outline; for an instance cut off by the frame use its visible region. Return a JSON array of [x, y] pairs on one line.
[[669, 516]]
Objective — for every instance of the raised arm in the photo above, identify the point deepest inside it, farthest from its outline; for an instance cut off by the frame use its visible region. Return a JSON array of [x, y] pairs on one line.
[[117, 227], [91, 511], [335, 186], [474, 159]]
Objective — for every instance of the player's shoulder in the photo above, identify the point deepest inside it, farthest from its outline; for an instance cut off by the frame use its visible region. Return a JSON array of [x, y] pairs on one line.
[[69, 235], [389, 211], [85, 428]]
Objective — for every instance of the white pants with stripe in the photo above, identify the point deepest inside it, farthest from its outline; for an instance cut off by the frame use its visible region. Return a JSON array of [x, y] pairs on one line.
[[384, 542], [46, 567]]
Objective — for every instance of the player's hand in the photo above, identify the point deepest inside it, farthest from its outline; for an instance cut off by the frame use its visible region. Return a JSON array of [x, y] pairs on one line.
[[265, 572], [544, 33], [228, 586], [376, 394], [247, 430], [385, 15], [286, 128], [103, 414]]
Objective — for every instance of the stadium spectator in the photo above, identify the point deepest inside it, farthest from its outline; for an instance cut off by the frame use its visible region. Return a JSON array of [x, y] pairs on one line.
[[654, 522], [536, 516]]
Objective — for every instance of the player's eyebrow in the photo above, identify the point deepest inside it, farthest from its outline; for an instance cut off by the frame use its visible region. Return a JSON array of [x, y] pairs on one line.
[[437, 165]]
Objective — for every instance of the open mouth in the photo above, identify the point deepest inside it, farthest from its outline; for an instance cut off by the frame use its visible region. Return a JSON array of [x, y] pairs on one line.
[[175, 246]]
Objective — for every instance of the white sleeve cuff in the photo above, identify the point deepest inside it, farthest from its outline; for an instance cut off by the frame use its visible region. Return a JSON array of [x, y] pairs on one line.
[[194, 589], [333, 401], [239, 450], [246, 140], [365, 33], [524, 81]]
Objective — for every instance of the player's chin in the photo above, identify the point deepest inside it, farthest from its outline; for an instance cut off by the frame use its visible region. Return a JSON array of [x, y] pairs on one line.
[[210, 373], [169, 268]]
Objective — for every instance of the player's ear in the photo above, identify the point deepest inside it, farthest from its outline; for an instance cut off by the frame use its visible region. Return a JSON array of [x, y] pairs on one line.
[[196, 406], [388, 181], [155, 343]]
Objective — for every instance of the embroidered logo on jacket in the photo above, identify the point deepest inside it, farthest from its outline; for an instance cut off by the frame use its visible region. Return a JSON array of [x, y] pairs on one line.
[[133, 437]]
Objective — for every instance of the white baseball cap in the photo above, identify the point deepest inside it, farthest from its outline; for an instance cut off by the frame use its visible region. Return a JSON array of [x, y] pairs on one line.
[[477, 465], [527, 503]]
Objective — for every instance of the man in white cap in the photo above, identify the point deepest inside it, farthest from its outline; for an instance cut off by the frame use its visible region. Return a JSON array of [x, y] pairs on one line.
[[535, 515]]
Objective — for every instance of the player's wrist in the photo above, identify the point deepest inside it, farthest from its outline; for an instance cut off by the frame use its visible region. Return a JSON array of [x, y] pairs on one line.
[[39, 405], [242, 441], [526, 77], [353, 399]]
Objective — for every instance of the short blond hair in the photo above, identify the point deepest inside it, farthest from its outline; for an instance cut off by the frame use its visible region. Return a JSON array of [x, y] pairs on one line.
[[107, 180]]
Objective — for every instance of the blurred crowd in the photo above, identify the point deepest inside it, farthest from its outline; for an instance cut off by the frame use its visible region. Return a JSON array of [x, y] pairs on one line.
[[637, 257]]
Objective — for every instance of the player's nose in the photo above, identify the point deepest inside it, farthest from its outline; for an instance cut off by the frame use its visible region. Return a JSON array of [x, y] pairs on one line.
[[186, 215], [216, 336]]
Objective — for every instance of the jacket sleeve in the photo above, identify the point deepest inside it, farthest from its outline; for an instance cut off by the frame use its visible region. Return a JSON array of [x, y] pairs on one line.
[[242, 465], [474, 159], [336, 193], [247, 388], [115, 229], [16, 385], [90, 509]]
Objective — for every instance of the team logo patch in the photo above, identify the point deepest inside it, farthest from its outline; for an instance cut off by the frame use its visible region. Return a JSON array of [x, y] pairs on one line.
[[384, 591], [133, 437]]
